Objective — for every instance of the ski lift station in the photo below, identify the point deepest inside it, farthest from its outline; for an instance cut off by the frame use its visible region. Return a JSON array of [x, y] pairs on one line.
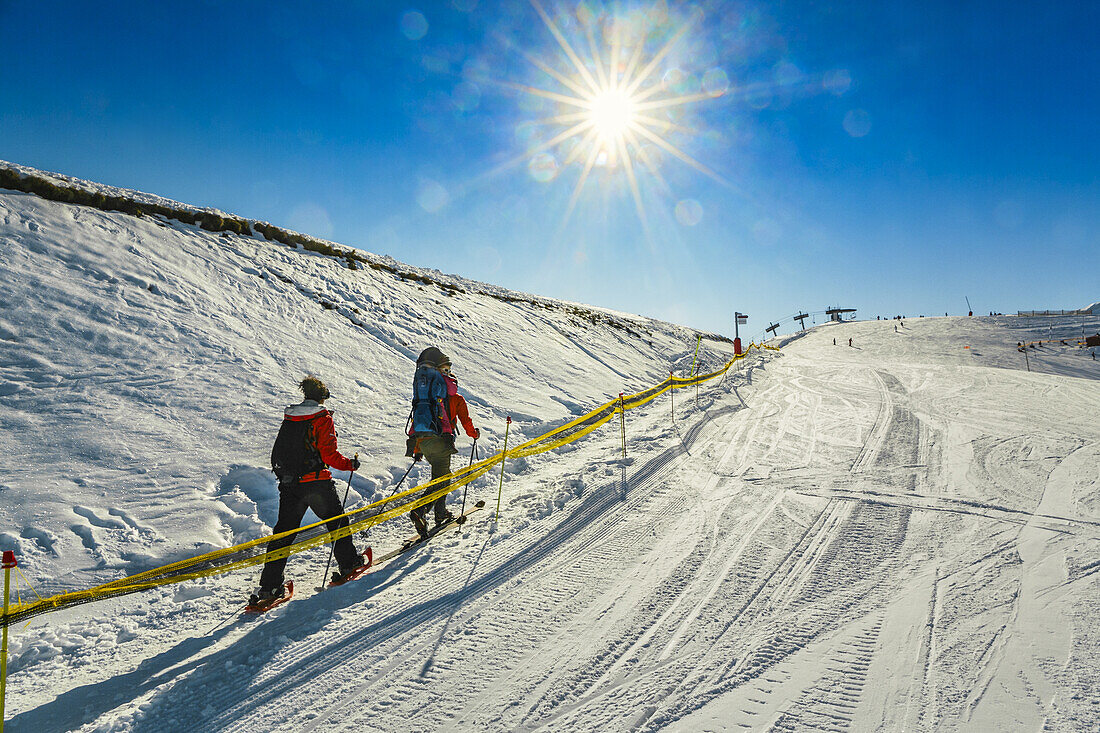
[[837, 314]]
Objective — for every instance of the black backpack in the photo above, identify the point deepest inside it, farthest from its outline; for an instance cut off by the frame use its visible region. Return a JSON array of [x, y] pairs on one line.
[[295, 451]]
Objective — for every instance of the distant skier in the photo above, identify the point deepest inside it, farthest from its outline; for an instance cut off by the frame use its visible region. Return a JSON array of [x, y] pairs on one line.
[[834, 342], [306, 444], [849, 342], [432, 427]]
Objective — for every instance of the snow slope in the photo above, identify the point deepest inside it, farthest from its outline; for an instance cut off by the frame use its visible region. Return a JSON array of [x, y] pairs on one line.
[[898, 534]]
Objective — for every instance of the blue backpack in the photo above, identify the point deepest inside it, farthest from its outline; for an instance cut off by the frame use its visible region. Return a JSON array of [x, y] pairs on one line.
[[429, 413]]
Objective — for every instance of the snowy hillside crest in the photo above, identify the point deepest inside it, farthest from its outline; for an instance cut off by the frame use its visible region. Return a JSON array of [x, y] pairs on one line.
[[66, 189]]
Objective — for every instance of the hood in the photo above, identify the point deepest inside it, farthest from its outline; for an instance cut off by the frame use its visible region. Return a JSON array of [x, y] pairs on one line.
[[304, 410], [433, 356]]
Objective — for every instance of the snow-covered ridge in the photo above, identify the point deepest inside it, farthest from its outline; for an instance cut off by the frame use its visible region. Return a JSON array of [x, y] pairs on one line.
[[68, 189]]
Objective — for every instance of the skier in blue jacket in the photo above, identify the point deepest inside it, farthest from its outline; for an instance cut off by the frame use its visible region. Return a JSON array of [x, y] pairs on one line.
[[431, 431]]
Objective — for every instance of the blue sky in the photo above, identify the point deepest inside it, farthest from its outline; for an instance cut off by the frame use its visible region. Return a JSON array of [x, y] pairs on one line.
[[892, 157]]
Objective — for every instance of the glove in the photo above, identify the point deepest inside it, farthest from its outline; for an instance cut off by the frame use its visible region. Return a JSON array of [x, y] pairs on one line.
[[355, 464], [477, 433], [417, 457]]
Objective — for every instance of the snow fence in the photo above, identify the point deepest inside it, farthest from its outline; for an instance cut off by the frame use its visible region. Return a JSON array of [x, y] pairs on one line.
[[255, 552]]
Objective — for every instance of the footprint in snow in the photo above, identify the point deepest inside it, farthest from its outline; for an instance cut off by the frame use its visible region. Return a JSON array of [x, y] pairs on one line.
[[132, 523], [87, 538], [43, 540], [94, 519]]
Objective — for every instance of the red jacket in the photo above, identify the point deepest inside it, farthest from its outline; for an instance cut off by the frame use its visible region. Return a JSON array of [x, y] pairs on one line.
[[324, 438], [457, 407]]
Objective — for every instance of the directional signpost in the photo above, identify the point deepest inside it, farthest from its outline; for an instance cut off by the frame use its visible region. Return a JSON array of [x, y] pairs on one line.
[[739, 319]]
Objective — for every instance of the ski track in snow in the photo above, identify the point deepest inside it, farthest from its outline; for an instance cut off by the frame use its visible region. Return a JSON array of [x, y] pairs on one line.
[[899, 535]]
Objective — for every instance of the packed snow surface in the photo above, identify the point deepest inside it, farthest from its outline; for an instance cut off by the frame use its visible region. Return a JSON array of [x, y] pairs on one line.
[[897, 534]]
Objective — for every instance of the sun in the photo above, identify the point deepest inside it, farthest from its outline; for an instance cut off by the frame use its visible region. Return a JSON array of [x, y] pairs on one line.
[[612, 113], [612, 103]]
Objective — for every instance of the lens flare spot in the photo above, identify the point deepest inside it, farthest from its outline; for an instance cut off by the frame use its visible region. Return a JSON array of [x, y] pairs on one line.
[[837, 82], [760, 98], [586, 14], [787, 74], [434, 64], [689, 212], [676, 80], [414, 25], [543, 167], [432, 196], [476, 71], [488, 259], [466, 96], [527, 135], [716, 82], [857, 123]]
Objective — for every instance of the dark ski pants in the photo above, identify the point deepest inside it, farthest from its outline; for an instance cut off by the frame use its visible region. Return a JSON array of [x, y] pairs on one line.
[[294, 499], [438, 451]]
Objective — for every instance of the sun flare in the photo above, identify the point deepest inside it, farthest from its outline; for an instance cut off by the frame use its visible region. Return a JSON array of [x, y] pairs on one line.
[[613, 107]]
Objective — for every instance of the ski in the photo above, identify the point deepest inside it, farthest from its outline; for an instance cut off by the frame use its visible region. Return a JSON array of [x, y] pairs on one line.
[[256, 606], [417, 541]]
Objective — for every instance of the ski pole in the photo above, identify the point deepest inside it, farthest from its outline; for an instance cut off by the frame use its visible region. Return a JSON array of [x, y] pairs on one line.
[[473, 449], [398, 486], [332, 547], [622, 419], [503, 455], [367, 533], [672, 396]]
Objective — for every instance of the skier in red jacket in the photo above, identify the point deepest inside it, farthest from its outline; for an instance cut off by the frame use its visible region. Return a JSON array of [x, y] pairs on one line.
[[306, 445]]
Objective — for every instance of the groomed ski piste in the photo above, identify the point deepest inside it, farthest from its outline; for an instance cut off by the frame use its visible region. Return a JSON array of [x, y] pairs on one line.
[[897, 535]]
